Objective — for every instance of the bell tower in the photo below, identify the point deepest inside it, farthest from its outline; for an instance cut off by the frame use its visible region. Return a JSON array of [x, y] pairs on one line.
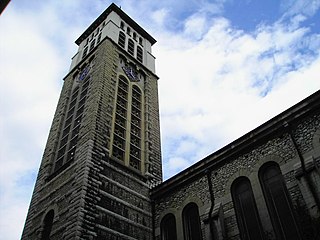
[[103, 151]]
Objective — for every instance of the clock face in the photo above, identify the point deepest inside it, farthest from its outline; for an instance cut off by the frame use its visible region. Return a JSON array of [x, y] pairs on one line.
[[130, 72], [83, 73]]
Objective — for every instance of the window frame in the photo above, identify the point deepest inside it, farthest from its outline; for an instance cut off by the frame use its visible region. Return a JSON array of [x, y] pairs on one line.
[[245, 222], [122, 39], [168, 227], [191, 222], [131, 47], [140, 54], [132, 155], [275, 209], [47, 225]]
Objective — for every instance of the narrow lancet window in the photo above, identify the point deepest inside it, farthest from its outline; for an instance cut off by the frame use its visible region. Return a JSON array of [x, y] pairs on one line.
[[278, 202], [47, 225], [246, 210], [168, 227], [191, 222]]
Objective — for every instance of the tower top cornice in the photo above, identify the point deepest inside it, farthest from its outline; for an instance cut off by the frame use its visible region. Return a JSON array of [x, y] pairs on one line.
[[114, 8]]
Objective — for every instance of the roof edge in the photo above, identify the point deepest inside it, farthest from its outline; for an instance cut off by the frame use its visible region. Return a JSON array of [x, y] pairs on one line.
[[114, 8], [261, 132]]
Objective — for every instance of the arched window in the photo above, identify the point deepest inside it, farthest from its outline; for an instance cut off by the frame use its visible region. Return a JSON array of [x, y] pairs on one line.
[[47, 225], [168, 227], [191, 222], [140, 41], [122, 39], [246, 210], [119, 146], [135, 135], [278, 202], [131, 47]]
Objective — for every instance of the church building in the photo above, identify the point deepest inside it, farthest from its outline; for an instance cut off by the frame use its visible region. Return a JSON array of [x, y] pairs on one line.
[[101, 171]]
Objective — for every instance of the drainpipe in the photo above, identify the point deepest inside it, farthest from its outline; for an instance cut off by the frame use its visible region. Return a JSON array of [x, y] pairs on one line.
[[153, 212], [208, 172], [303, 167]]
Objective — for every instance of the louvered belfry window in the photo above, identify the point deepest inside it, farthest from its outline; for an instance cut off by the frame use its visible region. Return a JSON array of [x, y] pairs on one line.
[[122, 39]]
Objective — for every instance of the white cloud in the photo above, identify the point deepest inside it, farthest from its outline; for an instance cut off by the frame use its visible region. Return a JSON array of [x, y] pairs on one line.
[[30, 73], [159, 16], [228, 83], [195, 26], [216, 82], [305, 7], [211, 7], [177, 163]]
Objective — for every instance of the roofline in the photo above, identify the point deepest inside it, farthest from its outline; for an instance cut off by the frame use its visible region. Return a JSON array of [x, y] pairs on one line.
[[276, 125], [123, 15]]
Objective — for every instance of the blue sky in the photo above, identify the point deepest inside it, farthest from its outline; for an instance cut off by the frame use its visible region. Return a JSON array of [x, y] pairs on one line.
[[225, 67]]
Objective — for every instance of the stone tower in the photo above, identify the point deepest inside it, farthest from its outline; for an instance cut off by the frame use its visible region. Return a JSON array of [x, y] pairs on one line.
[[103, 150]]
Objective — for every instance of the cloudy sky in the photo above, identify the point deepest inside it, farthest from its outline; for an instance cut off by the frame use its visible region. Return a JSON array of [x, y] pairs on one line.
[[225, 67]]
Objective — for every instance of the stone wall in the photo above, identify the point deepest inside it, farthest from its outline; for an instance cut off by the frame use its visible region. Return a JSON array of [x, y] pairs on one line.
[[94, 196], [54, 191]]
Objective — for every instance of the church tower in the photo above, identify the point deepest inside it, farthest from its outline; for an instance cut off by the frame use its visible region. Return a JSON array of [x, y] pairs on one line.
[[103, 150]]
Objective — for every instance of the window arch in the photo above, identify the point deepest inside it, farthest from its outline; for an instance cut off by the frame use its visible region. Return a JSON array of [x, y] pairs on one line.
[[246, 210], [278, 201], [168, 227], [47, 225], [191, 222], [122, 39]]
